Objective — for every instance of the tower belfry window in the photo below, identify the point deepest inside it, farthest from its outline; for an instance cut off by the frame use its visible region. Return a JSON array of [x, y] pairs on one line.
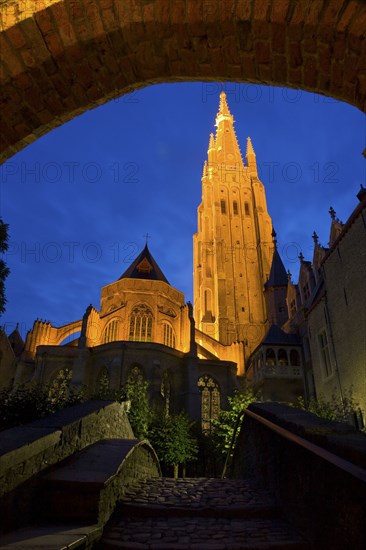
[[246, 209], [235, 208], [223, 207]]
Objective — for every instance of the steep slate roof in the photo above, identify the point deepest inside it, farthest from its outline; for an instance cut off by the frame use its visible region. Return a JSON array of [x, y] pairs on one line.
[[276, 336], [144, 267], [278, 275]]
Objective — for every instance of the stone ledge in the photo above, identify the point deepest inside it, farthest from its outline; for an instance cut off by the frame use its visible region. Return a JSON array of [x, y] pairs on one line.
[[337, 437], [51, 537], [25, 451]]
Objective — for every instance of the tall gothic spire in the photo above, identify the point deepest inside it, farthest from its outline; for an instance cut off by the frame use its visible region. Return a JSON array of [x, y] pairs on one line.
[[225, 141], [228, 285], [223, 110]]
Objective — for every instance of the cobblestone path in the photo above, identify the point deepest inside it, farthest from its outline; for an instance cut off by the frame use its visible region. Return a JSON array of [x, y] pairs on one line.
[[198, 514]]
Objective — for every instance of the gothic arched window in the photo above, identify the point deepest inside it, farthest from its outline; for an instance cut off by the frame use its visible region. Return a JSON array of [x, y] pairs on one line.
[[141, 324], [223, 206], [103, 383], [110, 332], [294, 358], [235, 208], [282, 357], [135, 374], [165, 390], [246, 209], [59, 386], [210, 401], [168, 334], [270, 357]]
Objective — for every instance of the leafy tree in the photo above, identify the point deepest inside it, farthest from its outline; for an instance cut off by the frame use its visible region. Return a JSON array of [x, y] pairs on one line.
[[26, 403], [4, 270], [173, 441], [225, 425], [333, 409], [139, 414]]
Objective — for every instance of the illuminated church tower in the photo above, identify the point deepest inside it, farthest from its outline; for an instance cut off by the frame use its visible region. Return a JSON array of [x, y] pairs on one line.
[[233, 246]]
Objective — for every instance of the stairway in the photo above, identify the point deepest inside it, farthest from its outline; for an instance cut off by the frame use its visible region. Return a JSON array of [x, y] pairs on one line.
[[198, 514]]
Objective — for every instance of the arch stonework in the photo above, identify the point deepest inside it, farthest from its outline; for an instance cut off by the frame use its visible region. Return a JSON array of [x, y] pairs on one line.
[[62, 57]]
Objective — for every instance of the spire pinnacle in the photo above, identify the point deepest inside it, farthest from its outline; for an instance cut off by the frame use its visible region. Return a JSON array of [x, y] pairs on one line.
[[274, 235], [250, 150], [301, 257], [332, 213], [224, 113], [223, 109], [315, 238], [289, 276], [211, 144]]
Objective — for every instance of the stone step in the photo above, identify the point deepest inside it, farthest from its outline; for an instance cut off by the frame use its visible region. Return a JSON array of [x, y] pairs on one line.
[[167, 533], [198, 493], [198, 514], [51, 537], [74, 490]]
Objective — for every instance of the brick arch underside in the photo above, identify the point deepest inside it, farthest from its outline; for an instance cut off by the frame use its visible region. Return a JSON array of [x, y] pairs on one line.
[[61, 58]]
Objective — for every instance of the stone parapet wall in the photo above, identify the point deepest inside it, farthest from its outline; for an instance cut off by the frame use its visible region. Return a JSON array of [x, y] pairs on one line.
[[324, 501], [27, 450]]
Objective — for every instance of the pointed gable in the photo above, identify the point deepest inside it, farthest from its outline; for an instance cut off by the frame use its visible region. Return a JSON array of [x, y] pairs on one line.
[[278, 275], [16, 342], [144, 267]]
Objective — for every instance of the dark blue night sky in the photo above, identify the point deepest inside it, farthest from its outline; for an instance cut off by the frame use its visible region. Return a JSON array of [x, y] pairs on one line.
[[80, 200]]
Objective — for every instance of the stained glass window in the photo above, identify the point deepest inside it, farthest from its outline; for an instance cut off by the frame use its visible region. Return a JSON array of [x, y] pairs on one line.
[[59, 387], [210, 401]]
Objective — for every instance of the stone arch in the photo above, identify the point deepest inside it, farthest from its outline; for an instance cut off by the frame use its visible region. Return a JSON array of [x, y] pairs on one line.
[[61, 58]]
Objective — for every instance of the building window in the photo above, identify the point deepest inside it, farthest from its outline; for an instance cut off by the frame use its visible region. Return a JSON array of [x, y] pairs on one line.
[[294, 358], [210, 401], [246, 209], [282, 357], [270, 357], [208, 301], [325, 353], [103, 381], [223, 207], [165, 390], [141, 324], [235, 208], [59, 386], [169, 336], [135, 375], [110, 332]]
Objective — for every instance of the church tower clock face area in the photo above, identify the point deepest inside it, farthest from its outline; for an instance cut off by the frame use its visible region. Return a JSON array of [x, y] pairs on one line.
[[233, 246]]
